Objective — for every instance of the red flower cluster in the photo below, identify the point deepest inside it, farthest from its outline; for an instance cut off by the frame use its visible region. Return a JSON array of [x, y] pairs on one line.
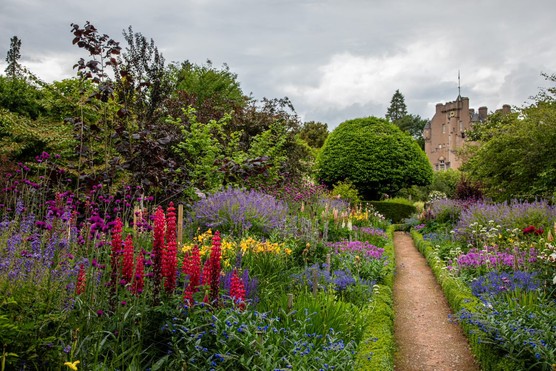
[[214, 263], [532, 230], [127, 267], [211, 272], [157, 251], [170, 252], [192, 268], [80, 287], [237, 290], [139, 279]]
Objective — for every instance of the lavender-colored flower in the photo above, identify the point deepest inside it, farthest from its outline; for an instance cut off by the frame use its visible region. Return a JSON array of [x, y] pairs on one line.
[[367, 249], [370, 230], [494, 258], [507, 216], [236, 211]]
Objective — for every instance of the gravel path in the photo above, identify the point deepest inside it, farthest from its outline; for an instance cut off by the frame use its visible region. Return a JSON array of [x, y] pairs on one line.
[[425, 337]]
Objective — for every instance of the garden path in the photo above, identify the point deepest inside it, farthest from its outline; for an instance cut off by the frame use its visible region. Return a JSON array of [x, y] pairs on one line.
[[426, 339]]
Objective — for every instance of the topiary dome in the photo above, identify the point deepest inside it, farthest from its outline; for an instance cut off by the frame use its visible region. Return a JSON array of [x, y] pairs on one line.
[[375, 155]]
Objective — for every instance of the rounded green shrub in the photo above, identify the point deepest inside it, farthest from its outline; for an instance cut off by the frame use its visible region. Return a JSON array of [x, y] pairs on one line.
[[346, 191], [375, 155]]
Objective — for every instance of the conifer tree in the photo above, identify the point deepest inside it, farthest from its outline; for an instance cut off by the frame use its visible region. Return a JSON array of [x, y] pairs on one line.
[[12, 70], [397, 109]]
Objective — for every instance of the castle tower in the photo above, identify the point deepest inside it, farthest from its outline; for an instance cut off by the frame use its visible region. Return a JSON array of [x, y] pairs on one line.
[[445, 133]]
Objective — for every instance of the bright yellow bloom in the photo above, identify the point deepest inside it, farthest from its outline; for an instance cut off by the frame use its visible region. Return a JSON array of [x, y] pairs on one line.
[[72, 365], [254, 246]]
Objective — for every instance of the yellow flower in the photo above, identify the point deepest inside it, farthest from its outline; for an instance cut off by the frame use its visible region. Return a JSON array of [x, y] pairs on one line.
[[288, 251], [72, 365]]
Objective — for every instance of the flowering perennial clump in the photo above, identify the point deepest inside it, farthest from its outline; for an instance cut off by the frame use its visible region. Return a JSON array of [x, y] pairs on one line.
[[495, 283], [128, 259], [138, 283], [237, 290], [365, 248], [492, 257], [192, 268], [169, 254], [237, 211]]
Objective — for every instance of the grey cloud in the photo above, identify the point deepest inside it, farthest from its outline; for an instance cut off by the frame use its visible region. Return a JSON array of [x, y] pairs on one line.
[[279, 47]]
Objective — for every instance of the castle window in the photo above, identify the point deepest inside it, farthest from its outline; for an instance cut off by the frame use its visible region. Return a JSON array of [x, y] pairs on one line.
[[442, 165], [443, 128]]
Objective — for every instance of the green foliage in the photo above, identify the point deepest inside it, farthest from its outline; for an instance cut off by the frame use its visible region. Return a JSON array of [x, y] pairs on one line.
[[376, 350], [274, 144], [12, 58], [199, 150], [413, 125], [446, 182], [22, 138], [397, 109], [208, 88], [395, 210], [346, 191], [514, 158], [19, 96], [375, 156], [314, 133]]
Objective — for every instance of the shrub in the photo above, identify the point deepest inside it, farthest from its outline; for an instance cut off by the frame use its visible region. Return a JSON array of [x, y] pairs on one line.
[[346, 191], [237, 211], [376, 156], [395, 210], [446, 182], [467, 189]]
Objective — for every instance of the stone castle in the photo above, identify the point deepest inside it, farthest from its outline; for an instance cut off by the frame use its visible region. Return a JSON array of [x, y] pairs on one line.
[[445, 132]]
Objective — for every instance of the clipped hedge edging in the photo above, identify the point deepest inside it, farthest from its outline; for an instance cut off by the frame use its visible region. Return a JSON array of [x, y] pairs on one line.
[[459, 297], [376, 350]]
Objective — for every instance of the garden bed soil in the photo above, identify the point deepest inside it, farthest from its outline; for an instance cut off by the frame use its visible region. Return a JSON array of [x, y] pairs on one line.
[[426, 338]]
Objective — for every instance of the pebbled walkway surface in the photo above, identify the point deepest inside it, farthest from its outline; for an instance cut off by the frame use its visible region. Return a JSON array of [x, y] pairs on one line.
[[426, 339]]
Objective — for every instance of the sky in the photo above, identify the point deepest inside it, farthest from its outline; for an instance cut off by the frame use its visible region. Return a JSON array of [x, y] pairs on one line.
[[335, 60]]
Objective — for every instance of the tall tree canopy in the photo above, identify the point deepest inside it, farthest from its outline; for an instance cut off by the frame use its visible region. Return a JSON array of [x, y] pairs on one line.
[[314, 133], [375, 155]]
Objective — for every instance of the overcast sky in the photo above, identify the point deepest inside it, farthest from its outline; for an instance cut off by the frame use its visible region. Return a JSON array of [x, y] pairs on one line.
[[335, 60]]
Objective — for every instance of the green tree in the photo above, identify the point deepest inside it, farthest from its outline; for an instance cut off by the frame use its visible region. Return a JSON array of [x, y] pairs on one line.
[[515, 158], [413, 125], [19, 96], [397, 109], [12, 58], [314, 133], [375, 155], [211, 91], [512, 154]]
